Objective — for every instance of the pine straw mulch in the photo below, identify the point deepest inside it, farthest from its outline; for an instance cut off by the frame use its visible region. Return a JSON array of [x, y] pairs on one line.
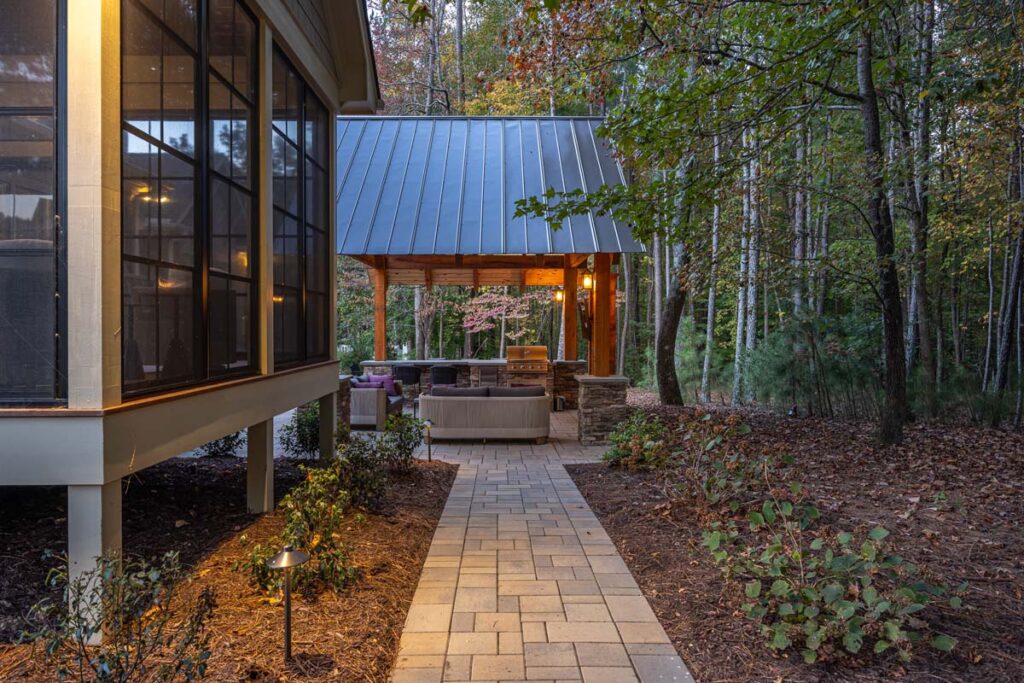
[[950, 495], [198, 508]]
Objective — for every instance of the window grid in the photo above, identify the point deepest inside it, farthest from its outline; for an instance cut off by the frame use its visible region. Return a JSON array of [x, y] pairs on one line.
[[213, 341]]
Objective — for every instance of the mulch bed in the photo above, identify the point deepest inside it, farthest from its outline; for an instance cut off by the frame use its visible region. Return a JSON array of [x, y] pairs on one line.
[[197, 507], [950, 495]]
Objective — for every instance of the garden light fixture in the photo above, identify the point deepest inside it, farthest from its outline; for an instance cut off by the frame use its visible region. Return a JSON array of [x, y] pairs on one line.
[[559, 296], [588, 281], [427, 424], [285, 560]]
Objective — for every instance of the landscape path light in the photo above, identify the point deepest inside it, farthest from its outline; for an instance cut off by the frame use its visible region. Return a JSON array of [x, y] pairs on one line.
[[427, 424], [285, 561]]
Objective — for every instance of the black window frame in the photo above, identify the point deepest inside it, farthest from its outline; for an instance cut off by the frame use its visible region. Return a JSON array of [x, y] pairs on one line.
[[59, 112], [203, 175], [302, 218]]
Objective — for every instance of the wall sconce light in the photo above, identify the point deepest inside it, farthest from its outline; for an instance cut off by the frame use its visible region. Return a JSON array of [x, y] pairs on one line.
[[559, 296], [278, 299], [285, 560], [588, 281]]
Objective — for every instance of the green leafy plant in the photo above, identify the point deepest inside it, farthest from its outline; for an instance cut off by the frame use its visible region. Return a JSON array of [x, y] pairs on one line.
[[402, 435], [314, 520], [639, 443], [224, 447], [362, 472], [301, 436], [147, 632]]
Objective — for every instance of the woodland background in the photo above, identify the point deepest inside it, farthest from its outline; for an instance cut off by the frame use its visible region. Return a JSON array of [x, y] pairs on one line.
[[830, 194]]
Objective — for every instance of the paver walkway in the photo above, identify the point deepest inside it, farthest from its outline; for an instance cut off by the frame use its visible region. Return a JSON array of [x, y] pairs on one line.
[[522, 583]]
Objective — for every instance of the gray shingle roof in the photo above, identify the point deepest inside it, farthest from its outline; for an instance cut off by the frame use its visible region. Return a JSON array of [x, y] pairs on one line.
[[449, 185]]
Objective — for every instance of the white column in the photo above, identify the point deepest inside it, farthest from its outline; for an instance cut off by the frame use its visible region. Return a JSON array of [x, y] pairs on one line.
[[94, 524], [93, 222], [260, 475], [328, 424]]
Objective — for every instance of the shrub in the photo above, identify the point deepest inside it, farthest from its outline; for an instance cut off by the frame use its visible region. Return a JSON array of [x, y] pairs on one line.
[[825, 594], [314, 517], [129, 602], [301, 436], [362, 472], [403, 434], [224, 447], [639, 443]]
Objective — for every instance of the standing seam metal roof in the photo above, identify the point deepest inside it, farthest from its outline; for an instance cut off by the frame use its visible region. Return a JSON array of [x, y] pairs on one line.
[[449, 185]]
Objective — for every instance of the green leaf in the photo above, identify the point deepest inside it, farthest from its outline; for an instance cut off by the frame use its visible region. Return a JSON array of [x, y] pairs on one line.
[[753, 588], [780, 587], [768, 510], [852, 642], [810, 656], [756, 520], [832, 592], [844, 538], [878, 533], [881, 646], [817, 544], [870, 596], [955, 602], [943, 642]]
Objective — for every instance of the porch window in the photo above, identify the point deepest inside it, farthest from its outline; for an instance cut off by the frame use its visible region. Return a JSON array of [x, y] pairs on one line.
[[189, 192], [32, 357], [301, 250]]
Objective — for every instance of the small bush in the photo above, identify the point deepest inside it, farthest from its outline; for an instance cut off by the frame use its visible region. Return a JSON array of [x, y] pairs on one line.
[[224, 447], [402, 435], [362, 472], [314, 519], [301, 436], [128, 602], [639, 443]]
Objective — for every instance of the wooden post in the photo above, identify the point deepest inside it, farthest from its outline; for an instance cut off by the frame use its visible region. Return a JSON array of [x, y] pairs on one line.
[[380, 313], [569, 307], [600, 346]]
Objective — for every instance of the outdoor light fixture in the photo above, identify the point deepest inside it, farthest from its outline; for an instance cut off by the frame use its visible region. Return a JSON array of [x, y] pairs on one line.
[[427, 424], [285, 560], [559, 296], [588, 281]]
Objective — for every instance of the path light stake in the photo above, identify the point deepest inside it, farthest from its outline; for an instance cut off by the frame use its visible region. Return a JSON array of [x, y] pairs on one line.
[[428, 424], [285, 560]]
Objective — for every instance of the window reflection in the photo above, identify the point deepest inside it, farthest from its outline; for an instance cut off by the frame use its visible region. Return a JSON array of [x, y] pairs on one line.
[[29, 365]]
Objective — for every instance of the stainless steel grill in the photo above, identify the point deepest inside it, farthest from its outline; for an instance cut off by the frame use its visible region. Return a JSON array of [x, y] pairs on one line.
[[527, 359]]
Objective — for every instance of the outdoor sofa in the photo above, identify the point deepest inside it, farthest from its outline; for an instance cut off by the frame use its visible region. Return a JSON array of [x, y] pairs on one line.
[[487, 413]]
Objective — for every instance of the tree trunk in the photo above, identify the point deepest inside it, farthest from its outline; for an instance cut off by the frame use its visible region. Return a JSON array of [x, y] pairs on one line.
[[991, 310], [709, 326], [657, 281], [799, 223], [894, 412], [753, 261], [1006, 320], [741, 291], [627, 309], [417, 304], [665, 350], [460, 74]]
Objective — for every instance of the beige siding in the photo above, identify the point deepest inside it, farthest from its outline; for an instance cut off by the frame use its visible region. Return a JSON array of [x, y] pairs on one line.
[[312, 21]]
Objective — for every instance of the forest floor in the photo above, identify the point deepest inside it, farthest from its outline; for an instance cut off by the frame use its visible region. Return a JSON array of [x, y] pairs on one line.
[[197, 507], [950, 495]]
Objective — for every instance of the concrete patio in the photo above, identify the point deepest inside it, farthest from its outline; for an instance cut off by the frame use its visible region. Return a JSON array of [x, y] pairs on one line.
[[521, 581]]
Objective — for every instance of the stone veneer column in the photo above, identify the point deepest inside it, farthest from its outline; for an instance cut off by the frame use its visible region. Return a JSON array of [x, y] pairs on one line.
[[602, 406], [564, 374]]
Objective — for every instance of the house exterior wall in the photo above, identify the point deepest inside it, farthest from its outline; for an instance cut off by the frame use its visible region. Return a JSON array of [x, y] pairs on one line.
[[100, 436]]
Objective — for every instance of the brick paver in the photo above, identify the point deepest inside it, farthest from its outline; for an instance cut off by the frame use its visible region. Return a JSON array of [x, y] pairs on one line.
[[522, 583]]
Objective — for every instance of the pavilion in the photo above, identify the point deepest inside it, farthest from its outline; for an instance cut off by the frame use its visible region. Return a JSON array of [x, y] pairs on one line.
[[432, 201]]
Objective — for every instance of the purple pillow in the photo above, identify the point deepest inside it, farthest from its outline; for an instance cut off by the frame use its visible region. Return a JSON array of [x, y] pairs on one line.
[[368, 385], [387, 381]]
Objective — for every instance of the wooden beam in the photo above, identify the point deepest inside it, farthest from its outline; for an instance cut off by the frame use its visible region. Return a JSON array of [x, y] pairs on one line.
[[380, 314], [569, 308], [600, 347]]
